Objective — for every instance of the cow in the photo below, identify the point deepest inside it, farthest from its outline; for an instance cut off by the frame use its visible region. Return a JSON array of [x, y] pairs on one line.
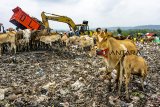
[[27, 38], [8, 37], [65, 39], [73, 40], [86, 41], [23, 38], [48, 40]]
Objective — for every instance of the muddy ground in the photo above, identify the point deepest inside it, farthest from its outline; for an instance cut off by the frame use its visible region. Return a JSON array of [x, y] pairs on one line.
[[71, 79]]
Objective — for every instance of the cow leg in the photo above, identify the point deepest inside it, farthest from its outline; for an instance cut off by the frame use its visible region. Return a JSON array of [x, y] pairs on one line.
[[34, 45], [118, 75], [37, 45], [21, 48], [13, 47], [44, 46], [17, 47], [120, 78], [127, 79], [28, 46], [0, 50], [40, 45], [142, 82], [7, 47], [110, 84], [91, 52], [24, 47], [50, 46], [10, 49]]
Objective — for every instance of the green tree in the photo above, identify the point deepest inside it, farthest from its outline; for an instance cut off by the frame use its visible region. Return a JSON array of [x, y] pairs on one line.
[[119, 31]]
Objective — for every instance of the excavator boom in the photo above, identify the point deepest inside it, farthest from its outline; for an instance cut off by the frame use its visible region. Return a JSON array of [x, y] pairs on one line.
[[58, 18]]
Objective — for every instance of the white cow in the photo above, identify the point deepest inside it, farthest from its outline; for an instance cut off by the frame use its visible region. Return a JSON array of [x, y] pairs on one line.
[[48, 40], [27, 37], [86, 41]]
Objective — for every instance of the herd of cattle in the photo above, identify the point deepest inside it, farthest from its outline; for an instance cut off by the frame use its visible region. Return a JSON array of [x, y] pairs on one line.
[[26, 40], [101, 43]]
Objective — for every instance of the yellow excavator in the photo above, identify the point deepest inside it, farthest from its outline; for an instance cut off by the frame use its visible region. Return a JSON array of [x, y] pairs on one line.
[[78, 29]]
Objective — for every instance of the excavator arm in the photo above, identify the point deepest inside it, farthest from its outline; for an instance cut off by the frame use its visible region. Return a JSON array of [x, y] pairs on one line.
[[58, 18]]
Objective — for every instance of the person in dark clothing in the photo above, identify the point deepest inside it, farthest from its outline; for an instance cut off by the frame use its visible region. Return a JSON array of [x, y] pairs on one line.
[[82, 30], [98, 29], [106, 30]]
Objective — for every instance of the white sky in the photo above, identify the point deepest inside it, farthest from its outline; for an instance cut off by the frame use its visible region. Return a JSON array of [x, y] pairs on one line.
[[99, 13]]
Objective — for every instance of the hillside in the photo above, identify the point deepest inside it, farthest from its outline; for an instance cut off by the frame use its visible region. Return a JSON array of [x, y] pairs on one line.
[[156, 27]]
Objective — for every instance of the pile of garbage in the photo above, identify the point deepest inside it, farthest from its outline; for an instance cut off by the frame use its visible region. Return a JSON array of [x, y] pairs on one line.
[[70, 79]]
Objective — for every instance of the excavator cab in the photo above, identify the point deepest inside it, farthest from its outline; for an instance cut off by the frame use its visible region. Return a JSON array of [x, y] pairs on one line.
[[2, 28], [87, 31], [83, 28]]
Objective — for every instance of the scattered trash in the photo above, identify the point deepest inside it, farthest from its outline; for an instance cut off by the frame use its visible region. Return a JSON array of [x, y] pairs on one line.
[[72, 79], [77, 85]]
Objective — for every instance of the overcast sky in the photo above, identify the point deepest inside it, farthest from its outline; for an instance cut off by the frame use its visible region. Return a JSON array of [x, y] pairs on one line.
[[99, 13]]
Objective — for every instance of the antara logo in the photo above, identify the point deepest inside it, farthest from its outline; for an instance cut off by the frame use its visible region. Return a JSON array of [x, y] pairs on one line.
[[106, 52]]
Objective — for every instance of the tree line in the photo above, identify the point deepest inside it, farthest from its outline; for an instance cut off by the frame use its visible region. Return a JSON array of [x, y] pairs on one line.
[[135, 32]]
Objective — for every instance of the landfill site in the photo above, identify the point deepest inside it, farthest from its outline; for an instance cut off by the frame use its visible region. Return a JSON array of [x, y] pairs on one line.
[[82, 67]]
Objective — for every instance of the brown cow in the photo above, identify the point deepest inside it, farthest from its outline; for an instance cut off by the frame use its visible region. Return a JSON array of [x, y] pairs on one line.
[[8, 37]]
